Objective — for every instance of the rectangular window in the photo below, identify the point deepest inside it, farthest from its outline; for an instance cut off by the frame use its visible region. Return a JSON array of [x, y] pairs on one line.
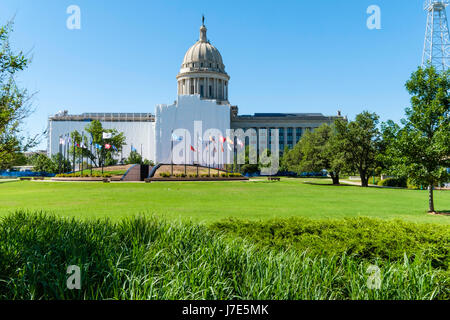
[[298, 133]]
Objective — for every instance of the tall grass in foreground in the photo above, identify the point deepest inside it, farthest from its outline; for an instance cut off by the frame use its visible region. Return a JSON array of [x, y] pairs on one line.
[[146, 258]]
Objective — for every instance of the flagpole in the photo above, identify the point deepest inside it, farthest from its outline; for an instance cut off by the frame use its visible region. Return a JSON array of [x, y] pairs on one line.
[[218, 157], [82, 153], [90, 150], [171, 155], [209, 159], [235, 157], [59, 158], [67, 150], [80, 165], [74, 155], [63, 153], [66, 146], [185, 152], [197, 155]]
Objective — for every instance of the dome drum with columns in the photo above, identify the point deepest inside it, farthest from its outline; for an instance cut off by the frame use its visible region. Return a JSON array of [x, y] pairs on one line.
[[203, 72]]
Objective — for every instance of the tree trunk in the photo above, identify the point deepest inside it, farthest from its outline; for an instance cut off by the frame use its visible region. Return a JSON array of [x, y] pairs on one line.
[[430, 198], [335, 178], [364, 180]]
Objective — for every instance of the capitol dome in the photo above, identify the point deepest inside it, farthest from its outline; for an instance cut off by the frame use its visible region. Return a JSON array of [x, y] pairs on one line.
[[203, 55], [203, 72]]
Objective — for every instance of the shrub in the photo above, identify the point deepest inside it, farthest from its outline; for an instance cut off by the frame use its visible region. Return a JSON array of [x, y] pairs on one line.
[[165, 175], [393, 182], [363, 237], [235, 175], [95, 174], [410, 185], [143, 258]]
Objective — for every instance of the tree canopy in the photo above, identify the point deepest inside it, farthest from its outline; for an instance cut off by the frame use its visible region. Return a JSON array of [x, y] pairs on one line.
[[359, 141], [420, 149], [14, 101]]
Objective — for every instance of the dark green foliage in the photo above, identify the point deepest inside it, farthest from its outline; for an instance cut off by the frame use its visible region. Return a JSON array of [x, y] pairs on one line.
[[366, 238], [316, 151], [134, 158], [165, 174], [14, 101], [102, 156], [55, 164], [393, 182], [144, 258], [420, 149], [95, 174], [360, 142]]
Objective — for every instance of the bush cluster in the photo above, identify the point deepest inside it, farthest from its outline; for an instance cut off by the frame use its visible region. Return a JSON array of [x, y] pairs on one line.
[[84, 175], [182, 175], [365, 238], [231, 175], [146, 258], [393, 182], [165, 175]]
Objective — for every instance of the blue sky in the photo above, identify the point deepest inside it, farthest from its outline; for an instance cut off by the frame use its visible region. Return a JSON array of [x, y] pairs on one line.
[[282, 56]]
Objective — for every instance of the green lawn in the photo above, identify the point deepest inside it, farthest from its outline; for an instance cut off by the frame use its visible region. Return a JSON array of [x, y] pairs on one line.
[[212, 201]]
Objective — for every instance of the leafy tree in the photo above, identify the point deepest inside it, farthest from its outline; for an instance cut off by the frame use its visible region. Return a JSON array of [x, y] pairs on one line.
[[101, 154], [359, 141], [321, 150], [109, 160], [291, 159], [148, 162], [134, 158], [389, 132], [79, 149], [283, 163], [42, 163], [420, 149], [14, 101], [60, 164], [19, 159]]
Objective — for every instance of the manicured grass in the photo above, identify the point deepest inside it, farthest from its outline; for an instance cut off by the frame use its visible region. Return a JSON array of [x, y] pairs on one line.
[[213, 201]]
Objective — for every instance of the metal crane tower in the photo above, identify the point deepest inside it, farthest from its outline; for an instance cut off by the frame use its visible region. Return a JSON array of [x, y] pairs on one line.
[[437, 40]]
